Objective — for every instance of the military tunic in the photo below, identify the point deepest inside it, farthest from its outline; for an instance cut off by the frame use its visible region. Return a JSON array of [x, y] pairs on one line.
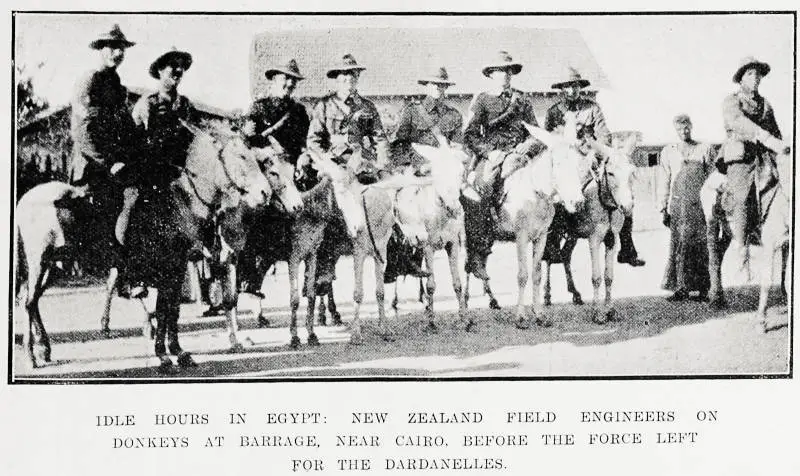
[[419, 123], [495, 122], [166, 140], [590, 120], [101, 126], [340, 127], [745, 116], [291, 132]]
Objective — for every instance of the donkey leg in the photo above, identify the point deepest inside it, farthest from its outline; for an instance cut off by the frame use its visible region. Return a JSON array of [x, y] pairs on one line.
[[395, 300], [453, 250], [311, 264], [767, 258], [336, 318], [111, 284], [548, 298], [566, 258], [536, 281], [262, 319], [522, 281], [594, 251], [487, 289], [611, 258], [716, 249], [358, 294], [294, 296], [35, 339], [430, 289], [380, 295], [229, 301]]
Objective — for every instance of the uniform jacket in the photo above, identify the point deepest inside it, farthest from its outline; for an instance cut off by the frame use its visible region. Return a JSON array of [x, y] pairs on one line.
[[590, 119], [337, 126], [419, 121], [158, 118], [495, 122], [101, 125], [744, 117], [291, 133]]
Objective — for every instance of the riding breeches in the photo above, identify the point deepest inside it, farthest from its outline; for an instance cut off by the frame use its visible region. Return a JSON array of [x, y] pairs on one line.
[[479, 227], [741, 177]]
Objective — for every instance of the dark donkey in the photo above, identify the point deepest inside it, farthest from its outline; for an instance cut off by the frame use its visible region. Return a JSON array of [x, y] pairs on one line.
[[217, 180]]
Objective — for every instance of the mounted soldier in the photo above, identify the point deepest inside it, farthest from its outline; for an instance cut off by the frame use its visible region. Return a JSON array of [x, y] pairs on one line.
[[494, 131], [424, 121], [753, 138], [278, 116], [103, 134], [591, 124], [346, 128], [159, 118]]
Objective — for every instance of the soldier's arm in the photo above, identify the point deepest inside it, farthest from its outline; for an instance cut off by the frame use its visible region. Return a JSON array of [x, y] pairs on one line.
[[473, 134], [318, 134], [404, 127], [141, 113], [249, 125], [378, 132], [457, 134], [297, 127], [770, 124], [601, 132], [664, 179], [736, 121]]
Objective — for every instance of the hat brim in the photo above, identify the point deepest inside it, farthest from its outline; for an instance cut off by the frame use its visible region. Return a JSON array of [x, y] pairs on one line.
[[581, 83], [272, 72], [763, 68], [170, 58], [425, 81], [513, 68], [332, 73], [100, 44]]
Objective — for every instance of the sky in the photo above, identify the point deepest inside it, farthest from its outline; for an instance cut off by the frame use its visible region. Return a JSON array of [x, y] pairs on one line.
[[658, 66]]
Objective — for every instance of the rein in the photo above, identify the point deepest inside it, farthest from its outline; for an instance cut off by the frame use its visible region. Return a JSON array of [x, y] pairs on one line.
[[369, 228]]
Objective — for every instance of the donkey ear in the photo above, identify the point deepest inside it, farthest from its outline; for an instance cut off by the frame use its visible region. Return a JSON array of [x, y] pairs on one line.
[[428, 152], [547, 138]]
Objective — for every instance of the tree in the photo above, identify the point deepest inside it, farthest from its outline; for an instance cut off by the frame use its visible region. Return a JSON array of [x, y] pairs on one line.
[[29, 105]]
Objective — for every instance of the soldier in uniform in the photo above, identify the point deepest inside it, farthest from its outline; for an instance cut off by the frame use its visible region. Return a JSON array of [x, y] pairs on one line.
[[278, 115], [752, 139], [421, 122], [590, 124], [165, 144], [494, 126], [346, 128], [103, 133]]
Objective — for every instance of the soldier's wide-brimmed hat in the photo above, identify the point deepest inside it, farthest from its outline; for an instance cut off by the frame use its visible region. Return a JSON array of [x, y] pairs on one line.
[[682, 119], [503, 62], [573, 79], [171, 57], [112, 37], [439, 77], [747, 63], [347, 65], [289, 69]]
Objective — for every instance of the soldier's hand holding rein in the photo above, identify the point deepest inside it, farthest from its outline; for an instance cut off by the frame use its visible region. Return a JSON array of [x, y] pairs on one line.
[[773, 143]]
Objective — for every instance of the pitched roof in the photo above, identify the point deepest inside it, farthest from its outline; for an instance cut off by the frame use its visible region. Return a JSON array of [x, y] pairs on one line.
[[396, 57]]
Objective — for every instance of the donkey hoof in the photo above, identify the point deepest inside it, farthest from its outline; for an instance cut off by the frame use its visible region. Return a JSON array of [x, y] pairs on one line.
[[598, 317], [544, 322], [336, 319], [548, 301], [356, 339], [295, 342], [185, 360], [262, 321], [313, 340], [165, 366], [523, 324], [612, 315], [472, 326], [577, 299], [431, 328], [236, 348], [493, 304]]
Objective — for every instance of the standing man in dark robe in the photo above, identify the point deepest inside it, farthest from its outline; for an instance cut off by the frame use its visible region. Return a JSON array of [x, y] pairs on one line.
[[103, 134], [685, 166], [753, 138], [279, 116], [591, 124], [494, 131], [421, 122], [346, 128]]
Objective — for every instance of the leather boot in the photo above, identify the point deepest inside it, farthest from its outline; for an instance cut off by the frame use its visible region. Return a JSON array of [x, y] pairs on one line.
[[476, 266]]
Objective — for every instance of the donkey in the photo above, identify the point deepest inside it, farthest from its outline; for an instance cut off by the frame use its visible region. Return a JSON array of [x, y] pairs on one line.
[[216, 177], [609, 196]]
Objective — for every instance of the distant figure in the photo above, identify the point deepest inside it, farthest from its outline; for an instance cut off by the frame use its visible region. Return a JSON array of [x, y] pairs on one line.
[[684, 168]]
